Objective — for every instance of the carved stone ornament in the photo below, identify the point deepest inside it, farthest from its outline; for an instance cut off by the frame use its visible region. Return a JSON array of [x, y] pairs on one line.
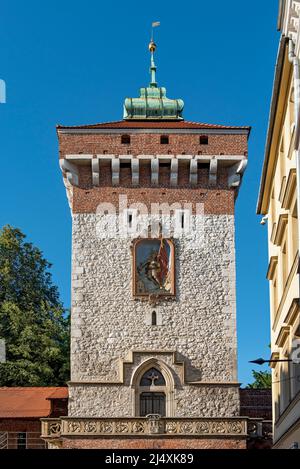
[[54, 428], [151, 424]]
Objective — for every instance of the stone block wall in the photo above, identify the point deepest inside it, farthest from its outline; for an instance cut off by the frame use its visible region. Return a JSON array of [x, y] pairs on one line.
[[198, 326]]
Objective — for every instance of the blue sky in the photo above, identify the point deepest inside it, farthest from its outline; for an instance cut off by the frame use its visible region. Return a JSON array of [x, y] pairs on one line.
[[72, 62]]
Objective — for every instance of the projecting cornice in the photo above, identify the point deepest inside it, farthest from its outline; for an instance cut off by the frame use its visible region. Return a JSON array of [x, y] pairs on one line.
[[70, 165], [281, 79]]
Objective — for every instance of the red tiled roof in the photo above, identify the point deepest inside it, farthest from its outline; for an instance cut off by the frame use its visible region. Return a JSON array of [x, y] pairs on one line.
[[148, 124], [59, 393], [18, 402]]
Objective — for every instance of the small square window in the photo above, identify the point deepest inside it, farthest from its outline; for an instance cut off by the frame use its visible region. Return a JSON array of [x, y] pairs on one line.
[[203, 140], [164, 139], [125, 139]]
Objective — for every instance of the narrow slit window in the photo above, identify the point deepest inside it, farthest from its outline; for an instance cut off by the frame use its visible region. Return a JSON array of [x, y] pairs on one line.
[[130, 220], [154, 318], [182, 219]]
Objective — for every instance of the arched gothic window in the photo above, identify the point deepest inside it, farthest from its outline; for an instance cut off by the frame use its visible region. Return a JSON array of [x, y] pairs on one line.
[[152, 395], [152, 377]]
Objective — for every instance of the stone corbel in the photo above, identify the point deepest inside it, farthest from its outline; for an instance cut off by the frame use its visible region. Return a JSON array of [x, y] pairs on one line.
[[135, 171], [154, 171], [174, 172], [95, 171], [69, 191], [235, 173], [70, 170], [115, 171], [213, 167], [193, 172]]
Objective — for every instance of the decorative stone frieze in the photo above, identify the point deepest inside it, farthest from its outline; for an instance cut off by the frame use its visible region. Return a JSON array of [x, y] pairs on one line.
[[150, 425]]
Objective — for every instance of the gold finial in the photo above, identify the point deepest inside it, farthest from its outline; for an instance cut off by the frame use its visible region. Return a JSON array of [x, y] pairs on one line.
[[152, 46]]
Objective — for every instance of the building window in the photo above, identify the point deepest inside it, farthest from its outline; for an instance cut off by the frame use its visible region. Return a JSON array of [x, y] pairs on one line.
[[21, 440], [202, 165], [284, 264], [153, 318], [154, 389], [276, 395], [125, 164], [165, 164], [130, 218], [152, 403], [292, 111], [275, 296], [125, 139], [152, 399], [281, 160], [294, 228], [164, 139], [182, 220], [272, 210], [203, 140], [285, 385]]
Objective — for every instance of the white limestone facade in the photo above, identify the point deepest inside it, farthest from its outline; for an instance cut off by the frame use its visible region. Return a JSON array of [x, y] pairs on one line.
[[193, 343]]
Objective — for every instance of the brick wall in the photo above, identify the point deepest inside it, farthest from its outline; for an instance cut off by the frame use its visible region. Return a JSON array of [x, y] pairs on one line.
[[256, 403], [215, 201], [155, 443], [13, 426], [218, 199], [149, 144]]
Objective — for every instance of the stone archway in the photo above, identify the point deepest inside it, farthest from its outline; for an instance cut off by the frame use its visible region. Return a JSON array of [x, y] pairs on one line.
[[153, 387]]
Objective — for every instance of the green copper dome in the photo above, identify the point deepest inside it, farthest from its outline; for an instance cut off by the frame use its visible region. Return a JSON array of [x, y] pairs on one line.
[[153, 102]]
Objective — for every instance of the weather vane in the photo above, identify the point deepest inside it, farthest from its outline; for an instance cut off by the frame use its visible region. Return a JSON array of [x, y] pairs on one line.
[[154, 25]]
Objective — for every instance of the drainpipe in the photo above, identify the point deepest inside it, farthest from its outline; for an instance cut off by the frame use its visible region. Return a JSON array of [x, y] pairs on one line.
[[296, 66]]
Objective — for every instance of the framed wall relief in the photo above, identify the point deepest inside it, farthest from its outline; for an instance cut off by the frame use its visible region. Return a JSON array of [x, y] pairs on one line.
[[153, 267]]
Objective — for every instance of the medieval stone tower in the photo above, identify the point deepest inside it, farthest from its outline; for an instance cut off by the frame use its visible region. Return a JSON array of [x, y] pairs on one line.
[[153, 336]]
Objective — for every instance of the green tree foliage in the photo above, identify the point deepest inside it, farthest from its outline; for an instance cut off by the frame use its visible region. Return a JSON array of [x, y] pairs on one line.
[[262, 379], [33, 322]]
